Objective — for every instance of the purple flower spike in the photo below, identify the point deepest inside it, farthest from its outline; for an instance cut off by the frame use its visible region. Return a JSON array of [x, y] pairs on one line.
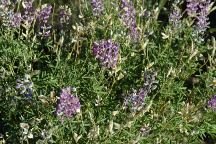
[[43, 17], [25, 86], [192, 7], [129, 14], [203, 20], [44, 13], [97, 6], [64, 16], [200, 10], [212, 102], [16, 20], [136, 100], [175, 17], [128, 17], [106, 52], [29, 12], [68, 104]]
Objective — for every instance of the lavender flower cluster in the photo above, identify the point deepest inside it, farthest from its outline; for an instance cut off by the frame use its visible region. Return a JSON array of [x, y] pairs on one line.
[[43, 17], [97, 6], [106, 51], [200, 10], [64, 16], [16, 20], [68, 104], [29, 13], [128, 17], [6, 13], [212, 102], [135, 100], [11, 17], [25, 86], [175, 17]]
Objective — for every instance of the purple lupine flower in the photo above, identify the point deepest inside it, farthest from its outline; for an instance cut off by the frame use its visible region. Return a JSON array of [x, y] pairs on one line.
[[68, 104], [44, 13], [29, 12], [136, 100], [97, 6], [129, 14], [203, 20], [25, 86], [175, 17], [106, 51], [64, 15], [128, 17], [45, 30], [192, 7], [4, 4], [134, 34], [200, 10], [212, 102], [16, 20], [6, 12], [43, 17], [7, 17]]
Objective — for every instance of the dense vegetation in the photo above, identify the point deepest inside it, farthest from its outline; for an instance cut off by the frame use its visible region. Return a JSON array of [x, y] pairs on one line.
[[107, 71]]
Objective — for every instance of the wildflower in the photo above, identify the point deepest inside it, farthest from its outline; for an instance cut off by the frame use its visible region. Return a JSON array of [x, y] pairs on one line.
[[97, 6], [106, 51], [25, 86], [4, 5], [64, 15], [135, 100], [175, 17], [6, 12], [145, 130], [212, 102], [128, 17], [68, 104], [192, 7], [44, 13], [45, 30], [16, 20], [200, 10], [129, 14], [29, 12], [134, 34], [203, 20], [43, 17]]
